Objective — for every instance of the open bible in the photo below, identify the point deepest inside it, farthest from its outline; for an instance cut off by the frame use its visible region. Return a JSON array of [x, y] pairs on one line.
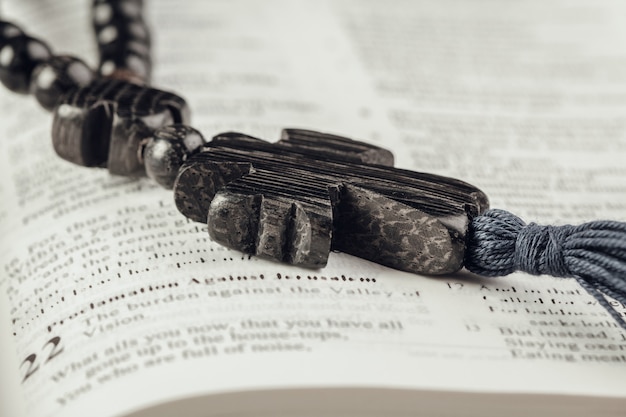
[[112, 303]]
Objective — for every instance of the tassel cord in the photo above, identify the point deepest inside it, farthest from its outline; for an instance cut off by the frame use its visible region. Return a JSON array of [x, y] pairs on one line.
[[500, 243]]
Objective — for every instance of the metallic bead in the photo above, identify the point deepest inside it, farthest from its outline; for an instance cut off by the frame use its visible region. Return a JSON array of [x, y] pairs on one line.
[[168, 149]]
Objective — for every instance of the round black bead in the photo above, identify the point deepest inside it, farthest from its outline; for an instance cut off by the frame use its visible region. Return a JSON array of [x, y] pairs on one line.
[[126, 61], [168, 149], [7, 31], [123, 40], [18, 58], [56, 76]]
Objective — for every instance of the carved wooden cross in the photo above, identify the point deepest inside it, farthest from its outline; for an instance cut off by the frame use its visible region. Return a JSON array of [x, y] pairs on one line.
[[296, 200]]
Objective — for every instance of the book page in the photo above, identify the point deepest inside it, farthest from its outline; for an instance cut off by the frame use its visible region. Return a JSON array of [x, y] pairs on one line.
[[524, 100], [118, 303]]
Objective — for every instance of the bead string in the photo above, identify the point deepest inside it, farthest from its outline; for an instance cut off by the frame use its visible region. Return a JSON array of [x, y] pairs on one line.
[[123, 40], [27, 66]]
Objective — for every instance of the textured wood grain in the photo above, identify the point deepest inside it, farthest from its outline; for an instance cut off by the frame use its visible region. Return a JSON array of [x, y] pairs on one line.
[[103, 123], [295, 200]]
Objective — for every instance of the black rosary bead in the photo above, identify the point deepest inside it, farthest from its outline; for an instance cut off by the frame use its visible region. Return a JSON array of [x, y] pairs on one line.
[[168, 149], [56, 76], [18, 58], [123, 39], [7, 31]]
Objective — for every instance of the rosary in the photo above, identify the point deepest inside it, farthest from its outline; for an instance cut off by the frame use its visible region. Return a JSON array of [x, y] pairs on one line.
[[297, 199]]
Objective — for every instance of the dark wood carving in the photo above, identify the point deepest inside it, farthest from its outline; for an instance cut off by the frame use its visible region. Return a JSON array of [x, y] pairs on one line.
[[103, 123], [296, 200]]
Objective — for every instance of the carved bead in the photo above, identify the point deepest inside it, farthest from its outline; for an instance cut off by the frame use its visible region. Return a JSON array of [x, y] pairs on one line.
[[124, 156], [18, 58], [55, 77], [103, 123], [168, 149]]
